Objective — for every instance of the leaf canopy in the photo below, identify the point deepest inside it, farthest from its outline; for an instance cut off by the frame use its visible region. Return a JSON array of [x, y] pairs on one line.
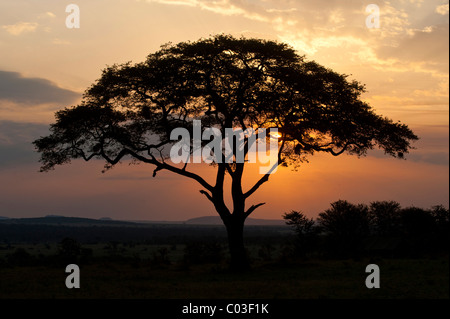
[[224, 82]]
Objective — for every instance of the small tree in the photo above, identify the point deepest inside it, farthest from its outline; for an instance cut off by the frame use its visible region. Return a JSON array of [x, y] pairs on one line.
[[345, 224], [442, 219], [226, 83], [385, 217], [417, 222], [305, 228], [69, 250], [441, 216]]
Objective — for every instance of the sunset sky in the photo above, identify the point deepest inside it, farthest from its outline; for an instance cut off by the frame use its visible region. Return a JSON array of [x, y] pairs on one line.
[[45, 66]]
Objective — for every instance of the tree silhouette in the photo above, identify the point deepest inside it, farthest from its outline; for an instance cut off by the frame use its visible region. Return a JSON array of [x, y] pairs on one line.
[[69, 250], [346, 224], [225, 82], [385, 217], [417, 221], [305, 228], [441, 216], [298, 220]]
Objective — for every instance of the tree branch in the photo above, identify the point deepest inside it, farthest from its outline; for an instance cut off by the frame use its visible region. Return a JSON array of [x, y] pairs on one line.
[[265, 178], [252, 209], [229, 170], [156, 171], [334, 153], [159, 166], [207, 195], [116, 159], [83, 155], [182, 172]]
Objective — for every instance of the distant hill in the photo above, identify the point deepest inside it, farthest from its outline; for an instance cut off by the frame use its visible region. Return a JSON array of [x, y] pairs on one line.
[[2, 217], [106, 221], [68, 221], [86, 230], [216, 220]]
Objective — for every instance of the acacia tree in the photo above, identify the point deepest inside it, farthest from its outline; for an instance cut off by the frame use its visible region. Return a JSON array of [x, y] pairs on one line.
[[226, 83], [306, 230], [345, 223]]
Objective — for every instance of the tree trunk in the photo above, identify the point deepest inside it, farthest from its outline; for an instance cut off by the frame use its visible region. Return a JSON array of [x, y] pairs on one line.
[[235, 231]]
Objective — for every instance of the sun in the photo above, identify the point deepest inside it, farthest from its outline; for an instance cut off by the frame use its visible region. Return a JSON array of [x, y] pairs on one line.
[[276, 135]]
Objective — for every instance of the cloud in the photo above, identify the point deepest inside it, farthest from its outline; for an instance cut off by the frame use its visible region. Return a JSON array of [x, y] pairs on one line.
[[46, 15], [32, 91], [224, 7], [15, 142], [309, 23], [429, 45], [314, 26], [61, 42], [20, 28], [432, 147], [18, 132], [442, 9]]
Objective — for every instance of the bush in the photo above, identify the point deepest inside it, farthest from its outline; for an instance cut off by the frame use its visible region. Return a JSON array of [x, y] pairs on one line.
[[306, 230], [161, 257], [345, 221], [69, 251], [20, 257], [346, 225], [203, 253], [417, 221], [266, 251], [385, 218]]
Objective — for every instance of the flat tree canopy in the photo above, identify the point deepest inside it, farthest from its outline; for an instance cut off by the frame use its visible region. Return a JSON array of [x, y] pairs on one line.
[[225, 82]]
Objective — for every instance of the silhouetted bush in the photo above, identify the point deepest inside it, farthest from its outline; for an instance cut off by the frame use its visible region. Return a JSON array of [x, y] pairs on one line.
[[203, 252], [161, 257], [385, 218], [86, 255], [287, 253], [306, 230], [417, 221], [345, 225], [384, 228], [20, 257], [69, 251], [441, 217], [266, 251]]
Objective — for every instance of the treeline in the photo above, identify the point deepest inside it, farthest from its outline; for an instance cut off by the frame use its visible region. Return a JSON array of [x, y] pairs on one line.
[[381, 228], [149, 233], [157, 234], [344, 230], [70, 251]]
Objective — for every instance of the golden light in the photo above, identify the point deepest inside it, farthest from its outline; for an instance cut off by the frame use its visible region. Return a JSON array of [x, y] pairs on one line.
[[276, 135]]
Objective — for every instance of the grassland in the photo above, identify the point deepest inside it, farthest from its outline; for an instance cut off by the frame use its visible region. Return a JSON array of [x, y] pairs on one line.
[[108, 276], [191, 262]]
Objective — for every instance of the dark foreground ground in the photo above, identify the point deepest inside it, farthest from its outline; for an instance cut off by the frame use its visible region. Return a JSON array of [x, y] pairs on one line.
[[190, 262], [341, 279]]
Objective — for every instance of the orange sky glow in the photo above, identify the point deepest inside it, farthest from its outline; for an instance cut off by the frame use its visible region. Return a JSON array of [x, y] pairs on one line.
[[45, 66]]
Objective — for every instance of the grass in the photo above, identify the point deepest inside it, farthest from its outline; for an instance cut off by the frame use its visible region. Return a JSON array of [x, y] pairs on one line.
[[425, 278]]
